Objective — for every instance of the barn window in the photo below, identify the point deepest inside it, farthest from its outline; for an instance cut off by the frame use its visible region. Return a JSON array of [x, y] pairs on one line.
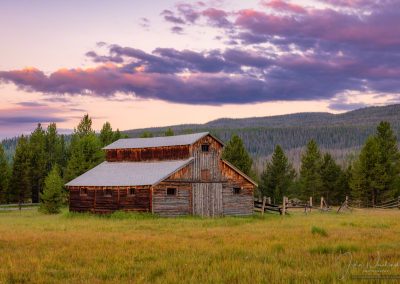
[[108, 193], [205, 148], [83, 191], [171, 191], [236, 190], [131, 191]]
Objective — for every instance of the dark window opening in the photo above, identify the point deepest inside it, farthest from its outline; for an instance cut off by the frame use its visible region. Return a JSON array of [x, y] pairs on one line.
[[131, 191], [108, 193], [83, 191], [236, 190], [171, 191], [205, 148]]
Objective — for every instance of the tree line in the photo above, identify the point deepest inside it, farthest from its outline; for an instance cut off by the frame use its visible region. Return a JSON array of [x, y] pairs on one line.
[[46, 160], [373, 177]]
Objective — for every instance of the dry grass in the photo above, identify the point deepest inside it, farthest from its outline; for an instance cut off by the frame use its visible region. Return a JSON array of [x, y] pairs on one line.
[[74, 248]]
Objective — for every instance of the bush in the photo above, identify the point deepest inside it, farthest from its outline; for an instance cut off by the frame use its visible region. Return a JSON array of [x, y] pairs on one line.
[[52, 196]]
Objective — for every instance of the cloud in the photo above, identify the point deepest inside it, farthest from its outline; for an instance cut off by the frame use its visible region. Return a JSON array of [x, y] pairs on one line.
[[283, 53]]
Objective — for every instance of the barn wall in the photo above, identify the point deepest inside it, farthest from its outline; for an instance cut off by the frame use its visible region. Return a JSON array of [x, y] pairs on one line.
[[175, 205], [236, 204], [96, 201], [148, 154], [206, 164]]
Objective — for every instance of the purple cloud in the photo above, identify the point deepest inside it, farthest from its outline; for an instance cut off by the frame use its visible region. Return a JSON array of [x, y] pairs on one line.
[[281, 52]]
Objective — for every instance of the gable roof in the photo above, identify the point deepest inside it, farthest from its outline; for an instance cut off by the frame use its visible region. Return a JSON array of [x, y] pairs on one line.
[[129, 173], [249, 179], [178, 140]]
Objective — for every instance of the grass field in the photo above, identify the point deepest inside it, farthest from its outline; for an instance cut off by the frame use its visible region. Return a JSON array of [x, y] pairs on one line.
[[313, 248]]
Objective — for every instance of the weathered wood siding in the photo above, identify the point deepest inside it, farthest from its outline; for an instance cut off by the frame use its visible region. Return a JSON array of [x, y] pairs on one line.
[[172, 205], [206, 164], [236, 204], [207, 199], [96, 199], [148, 154]]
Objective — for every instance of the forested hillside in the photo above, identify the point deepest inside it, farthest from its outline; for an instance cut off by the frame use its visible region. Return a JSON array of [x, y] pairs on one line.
[[341, 134]]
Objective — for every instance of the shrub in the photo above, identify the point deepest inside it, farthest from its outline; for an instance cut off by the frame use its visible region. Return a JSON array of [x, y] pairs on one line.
[[52, 196]]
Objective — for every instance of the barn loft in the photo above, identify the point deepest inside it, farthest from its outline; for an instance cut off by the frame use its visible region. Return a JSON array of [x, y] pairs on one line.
[[170, 176]]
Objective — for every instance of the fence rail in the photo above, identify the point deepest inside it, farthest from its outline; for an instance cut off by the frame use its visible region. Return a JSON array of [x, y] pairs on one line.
[[16, 206]]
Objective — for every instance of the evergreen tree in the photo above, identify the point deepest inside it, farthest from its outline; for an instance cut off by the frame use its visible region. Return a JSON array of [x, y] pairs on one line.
[[52, 196], [55, 148], [20, 182], [85, 150], [146, 134], [388, 164], [106, 134], [37, 144], [169, 132], [363, 182], [310, 172], [278, 176], [235, 153], [4, 175], [84, 127], [331, 175]]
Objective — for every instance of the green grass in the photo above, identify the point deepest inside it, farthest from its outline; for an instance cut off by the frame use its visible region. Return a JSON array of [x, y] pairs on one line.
[[142, 248]]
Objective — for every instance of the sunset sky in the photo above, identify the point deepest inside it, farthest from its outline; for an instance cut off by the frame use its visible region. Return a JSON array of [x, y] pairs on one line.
[[154, 63]]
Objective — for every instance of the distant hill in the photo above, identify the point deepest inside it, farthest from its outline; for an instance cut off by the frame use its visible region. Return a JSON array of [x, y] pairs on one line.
[[339, 133]]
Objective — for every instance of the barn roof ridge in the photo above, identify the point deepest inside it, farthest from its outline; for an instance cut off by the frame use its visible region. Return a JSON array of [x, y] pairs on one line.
[[162, 141], [129, 173]]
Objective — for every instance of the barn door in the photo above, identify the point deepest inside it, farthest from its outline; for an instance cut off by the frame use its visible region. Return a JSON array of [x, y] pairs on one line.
[[207, 199]]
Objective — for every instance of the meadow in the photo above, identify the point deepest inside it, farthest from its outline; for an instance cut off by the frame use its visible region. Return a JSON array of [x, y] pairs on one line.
[[320, 247]]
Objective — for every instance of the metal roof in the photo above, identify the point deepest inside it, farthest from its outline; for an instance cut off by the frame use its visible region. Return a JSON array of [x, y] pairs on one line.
[[128, 173], [187, 139]]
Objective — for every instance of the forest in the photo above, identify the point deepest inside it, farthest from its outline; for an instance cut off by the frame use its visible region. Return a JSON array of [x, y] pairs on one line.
[[370, 174]]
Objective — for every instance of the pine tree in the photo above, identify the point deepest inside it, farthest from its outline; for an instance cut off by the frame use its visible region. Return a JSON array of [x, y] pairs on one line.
[[4, 175], [52, 197], [85, 150], [235, 153], [364, 174], [331, 175], [310, 172], [169, 132], [106, 134], [146, 134], [37, 144], [20, 182], [278, 176], [388, 165], [55, 148], [84, 127]]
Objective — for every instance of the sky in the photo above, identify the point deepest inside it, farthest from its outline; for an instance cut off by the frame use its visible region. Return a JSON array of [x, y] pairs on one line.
[[154, 63]]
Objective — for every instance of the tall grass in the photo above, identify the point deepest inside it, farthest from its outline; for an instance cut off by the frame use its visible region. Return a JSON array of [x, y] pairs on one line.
[[142, 248]]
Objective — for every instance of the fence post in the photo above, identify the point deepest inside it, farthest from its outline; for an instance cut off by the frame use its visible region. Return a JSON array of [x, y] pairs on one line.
[[347, 201], [269, 200], [263, 205], [284, 206], [322, 202], [398, 202]]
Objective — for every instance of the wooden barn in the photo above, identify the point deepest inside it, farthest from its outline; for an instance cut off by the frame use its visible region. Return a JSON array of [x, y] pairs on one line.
[[169, 176]]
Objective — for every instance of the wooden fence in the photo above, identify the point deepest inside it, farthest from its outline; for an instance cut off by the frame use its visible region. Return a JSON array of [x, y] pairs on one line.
[[16, 206]]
